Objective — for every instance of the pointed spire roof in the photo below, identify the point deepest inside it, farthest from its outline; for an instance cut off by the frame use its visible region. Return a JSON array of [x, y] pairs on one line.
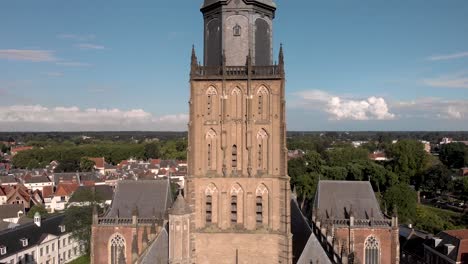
[[180, 206]]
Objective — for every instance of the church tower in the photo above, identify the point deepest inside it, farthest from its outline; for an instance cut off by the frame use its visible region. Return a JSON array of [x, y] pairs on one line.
[[237, 187]]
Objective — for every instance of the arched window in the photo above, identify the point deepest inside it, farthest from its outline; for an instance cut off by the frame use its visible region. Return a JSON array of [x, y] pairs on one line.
[[261, 205], [234, 157], [262, 150], [259, 210], [117, 249], [263, 103], [209, 208], [233, 209], [211, 148], [236, 103], [372, 251], [211, 102], [211, 201], [236, 30]]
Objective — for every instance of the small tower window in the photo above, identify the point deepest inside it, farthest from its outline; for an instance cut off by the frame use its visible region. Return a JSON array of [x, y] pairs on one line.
[[236, 30], [234, 209], [208, 105], [208, 209], [260, 105]]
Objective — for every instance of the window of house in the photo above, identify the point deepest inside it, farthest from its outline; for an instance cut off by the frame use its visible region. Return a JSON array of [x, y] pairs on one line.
[[208, 209], [41, 252], [259, 210], [372, 251], [234, 209], [47, 249], [24, 242], [62, 228], [236, 30], [53, 247], [2, 250]]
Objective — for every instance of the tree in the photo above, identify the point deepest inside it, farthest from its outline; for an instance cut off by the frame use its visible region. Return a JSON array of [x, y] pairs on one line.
[[408, 159], [79, 220], [437, 177], [68, 165], [402, 199], [152, 151], [86, 165], [344, 155], [36, 208], [454, 155]]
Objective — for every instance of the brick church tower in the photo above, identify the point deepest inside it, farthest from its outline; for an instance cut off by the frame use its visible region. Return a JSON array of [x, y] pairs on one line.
[[238, 189]]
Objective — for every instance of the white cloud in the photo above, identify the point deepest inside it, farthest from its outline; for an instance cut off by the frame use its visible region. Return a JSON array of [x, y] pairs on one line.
[[27, 55], [433, 108], [456, 80], [89, 46], [76, 37], [37, 117], [342, 108], [449, 56]]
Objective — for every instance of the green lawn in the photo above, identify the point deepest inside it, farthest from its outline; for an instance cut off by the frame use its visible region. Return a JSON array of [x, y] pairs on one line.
[[434, 219], [81, 260]]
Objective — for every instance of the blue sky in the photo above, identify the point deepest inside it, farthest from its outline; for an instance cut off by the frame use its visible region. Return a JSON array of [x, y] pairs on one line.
[[124, 65]]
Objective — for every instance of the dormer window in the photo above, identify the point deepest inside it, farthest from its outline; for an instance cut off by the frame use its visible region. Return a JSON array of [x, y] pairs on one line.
[[236, 30], [2, 250], [24, 242], [62, 228]]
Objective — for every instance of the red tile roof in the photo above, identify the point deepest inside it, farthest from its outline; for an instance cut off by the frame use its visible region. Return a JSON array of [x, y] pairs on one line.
[[19, 149], [47, 191], [99, 162], [66, 189]]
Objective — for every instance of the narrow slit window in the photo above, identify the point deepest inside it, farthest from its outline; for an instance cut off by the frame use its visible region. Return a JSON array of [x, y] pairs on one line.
[[234, 156], [236, 30], [259, 210], [208, 209], [234, 209]]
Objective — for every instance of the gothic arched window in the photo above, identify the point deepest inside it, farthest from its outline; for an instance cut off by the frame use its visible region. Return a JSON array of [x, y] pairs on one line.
[[211, 102], [263, 103], [211, 201], [211, 147], [236, 30], [236, 103], [117, 249], [262, 150], [209, 208], [234, 209], [261, 205], [372, 251]]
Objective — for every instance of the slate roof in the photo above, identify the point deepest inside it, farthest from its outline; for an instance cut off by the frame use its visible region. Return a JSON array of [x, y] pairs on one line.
[[8, 179], [412, 241], [151, 197], [158, 251], [300, 229], [458, 238], [11, 237], [337, 198], [10, 210]]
